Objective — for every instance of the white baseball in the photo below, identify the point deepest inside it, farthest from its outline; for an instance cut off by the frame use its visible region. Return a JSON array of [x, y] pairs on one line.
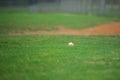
[[70, 44]]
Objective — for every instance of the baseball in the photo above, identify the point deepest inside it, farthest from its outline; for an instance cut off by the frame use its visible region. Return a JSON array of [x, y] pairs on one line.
[[70, 44]]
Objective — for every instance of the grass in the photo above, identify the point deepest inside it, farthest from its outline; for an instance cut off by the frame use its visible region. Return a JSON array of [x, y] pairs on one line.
[[27, 21], [49, 58], [38, 57]]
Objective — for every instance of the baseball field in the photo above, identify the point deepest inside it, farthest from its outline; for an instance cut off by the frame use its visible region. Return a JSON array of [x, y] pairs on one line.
[[35, 47]]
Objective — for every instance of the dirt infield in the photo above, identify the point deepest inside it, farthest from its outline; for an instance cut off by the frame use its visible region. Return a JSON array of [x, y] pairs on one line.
[[106, 29]]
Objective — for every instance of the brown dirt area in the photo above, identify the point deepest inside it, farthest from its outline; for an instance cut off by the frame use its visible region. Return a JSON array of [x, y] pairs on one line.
[[106, 29]]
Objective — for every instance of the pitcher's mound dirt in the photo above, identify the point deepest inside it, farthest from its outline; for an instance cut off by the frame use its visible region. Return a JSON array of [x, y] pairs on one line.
[[107, 29]]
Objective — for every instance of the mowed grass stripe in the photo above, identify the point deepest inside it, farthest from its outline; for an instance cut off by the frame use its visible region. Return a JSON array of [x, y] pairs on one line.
[[49, 58], [32, 22]]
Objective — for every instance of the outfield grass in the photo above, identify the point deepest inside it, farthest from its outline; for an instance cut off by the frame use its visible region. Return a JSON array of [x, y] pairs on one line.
[[25, 21], [49, 58]]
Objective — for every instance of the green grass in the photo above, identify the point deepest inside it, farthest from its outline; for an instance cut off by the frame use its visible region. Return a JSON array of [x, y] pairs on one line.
[[49, 58], [25, 21], [13, 10]]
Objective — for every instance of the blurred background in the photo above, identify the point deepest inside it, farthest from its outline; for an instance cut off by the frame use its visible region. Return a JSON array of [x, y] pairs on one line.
[[90, 7], [34, 37]]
